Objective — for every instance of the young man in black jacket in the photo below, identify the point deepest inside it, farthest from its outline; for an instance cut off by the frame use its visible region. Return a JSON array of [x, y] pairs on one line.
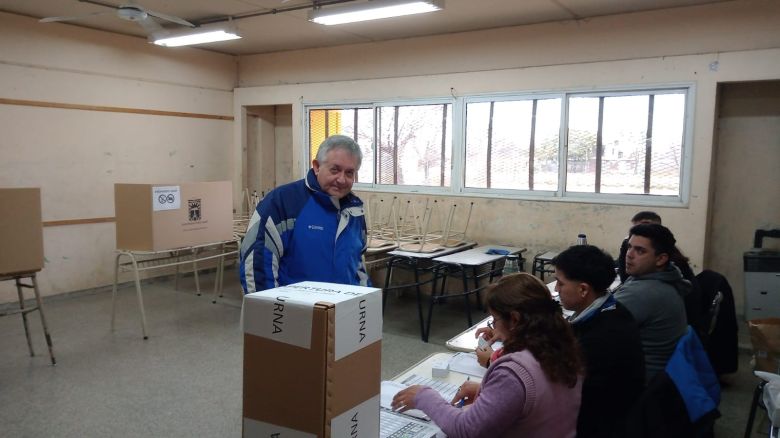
[[608, 336]]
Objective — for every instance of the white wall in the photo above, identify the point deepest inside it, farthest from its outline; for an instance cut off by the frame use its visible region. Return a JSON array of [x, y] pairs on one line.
[[654, 48], [76, 155], [746, 180]]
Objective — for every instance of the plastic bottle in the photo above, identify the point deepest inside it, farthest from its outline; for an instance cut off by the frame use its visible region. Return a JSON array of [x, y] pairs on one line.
[[582, 239], [510, 265]]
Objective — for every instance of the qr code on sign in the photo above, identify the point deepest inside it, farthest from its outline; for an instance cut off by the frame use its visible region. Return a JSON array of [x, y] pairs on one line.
[[194, 205]]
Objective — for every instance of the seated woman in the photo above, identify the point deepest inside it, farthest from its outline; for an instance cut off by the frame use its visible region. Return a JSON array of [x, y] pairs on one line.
[[531, 389]]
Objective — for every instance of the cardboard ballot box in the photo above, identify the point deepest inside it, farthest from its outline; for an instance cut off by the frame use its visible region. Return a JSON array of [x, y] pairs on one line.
[[21, 230], [312, 359], [155, 217]]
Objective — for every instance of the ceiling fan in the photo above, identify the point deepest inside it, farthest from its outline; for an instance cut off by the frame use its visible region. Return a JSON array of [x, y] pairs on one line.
[[129, 11]]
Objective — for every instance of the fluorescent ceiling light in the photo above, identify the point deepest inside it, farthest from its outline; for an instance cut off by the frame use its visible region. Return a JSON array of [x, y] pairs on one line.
[[372, 10], [196, 38]]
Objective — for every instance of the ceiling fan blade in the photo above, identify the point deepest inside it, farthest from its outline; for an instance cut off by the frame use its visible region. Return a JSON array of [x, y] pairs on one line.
[[151, 27], [170, 18], [72, 18]]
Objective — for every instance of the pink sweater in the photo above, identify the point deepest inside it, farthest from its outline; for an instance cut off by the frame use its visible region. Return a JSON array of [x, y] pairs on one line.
[[516, 400]]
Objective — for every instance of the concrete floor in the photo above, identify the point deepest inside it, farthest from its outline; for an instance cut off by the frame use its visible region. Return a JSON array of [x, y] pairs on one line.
[[185, 380]]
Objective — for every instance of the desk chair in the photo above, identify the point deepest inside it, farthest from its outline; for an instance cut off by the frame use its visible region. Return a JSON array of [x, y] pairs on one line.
[[25, 310], [713, 312], [762, 388], [542, 264]]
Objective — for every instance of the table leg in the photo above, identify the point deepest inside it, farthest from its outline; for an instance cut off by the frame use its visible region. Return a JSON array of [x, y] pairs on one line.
[[434, 298], [423, 332], [195, 270], [388, 278], [43, 319], [140, 296], [113, 290], [464, 274], [24, 315]]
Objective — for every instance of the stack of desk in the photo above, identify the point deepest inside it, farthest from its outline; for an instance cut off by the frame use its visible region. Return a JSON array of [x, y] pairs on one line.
[[424, 271], [471, 266], [439, 265]]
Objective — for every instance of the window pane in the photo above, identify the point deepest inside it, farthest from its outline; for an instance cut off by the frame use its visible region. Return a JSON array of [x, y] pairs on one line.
[[511, 143], [365, 138], [414, 154], [581, 156], [477, 120], [668, 123], [386, 146], [546, 144], [624, 139]]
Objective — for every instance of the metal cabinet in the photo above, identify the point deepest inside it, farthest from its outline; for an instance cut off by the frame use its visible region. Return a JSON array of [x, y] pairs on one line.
[[762, 279]]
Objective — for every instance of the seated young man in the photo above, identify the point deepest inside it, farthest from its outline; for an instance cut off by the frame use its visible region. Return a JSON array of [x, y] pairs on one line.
[[643, 217], [695, 308], [654, 293], [608, 336]]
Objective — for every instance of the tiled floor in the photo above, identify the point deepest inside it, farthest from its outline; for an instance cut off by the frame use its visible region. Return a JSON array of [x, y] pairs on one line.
[[185, 380]]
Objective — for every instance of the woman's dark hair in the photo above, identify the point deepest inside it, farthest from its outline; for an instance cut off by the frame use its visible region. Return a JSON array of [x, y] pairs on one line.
[[541, 328]]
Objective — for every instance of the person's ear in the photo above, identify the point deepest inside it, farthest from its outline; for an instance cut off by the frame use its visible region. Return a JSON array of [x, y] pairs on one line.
[[661, 259], [583, 289], [514, 319], [316, 166]]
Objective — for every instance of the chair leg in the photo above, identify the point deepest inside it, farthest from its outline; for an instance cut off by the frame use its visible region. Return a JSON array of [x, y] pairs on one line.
[[43, 320], [24, 315], [753, 406]]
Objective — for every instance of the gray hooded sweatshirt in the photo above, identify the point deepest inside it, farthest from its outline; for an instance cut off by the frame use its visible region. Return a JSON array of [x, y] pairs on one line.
[[656, 301]]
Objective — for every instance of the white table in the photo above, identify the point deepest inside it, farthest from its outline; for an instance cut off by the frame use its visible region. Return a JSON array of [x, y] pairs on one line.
[[420, 263], [147, 260], [468, 264], [466, 341]]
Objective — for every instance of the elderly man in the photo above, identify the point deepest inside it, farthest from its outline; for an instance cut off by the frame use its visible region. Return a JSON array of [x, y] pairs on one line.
[[312, 229], [654, 293], [608, 337]]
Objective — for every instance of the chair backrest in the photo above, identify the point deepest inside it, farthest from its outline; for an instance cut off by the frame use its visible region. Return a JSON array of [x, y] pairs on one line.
[[714, 310]]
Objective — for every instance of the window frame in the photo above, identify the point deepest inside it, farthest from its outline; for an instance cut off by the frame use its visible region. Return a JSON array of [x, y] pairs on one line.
[[458, 144], [374, 104]]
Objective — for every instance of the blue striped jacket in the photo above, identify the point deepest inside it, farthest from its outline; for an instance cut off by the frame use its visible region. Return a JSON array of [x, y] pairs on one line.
[[299, 233]]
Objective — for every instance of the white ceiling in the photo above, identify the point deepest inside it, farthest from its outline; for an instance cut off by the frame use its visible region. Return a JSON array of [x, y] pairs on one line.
[[291, 30]]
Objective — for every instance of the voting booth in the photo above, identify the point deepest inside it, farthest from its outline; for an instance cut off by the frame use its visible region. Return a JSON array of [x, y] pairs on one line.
[[312, 361], [157, 217]]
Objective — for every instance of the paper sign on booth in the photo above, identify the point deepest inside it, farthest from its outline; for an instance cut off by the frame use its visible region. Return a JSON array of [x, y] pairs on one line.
[[166, 198]]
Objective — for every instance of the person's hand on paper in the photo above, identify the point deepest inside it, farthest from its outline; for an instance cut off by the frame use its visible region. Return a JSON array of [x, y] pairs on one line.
[[466, 394], [404, 399]]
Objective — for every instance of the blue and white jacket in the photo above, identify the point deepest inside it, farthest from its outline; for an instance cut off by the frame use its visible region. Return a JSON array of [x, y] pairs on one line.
[[300, 233]]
